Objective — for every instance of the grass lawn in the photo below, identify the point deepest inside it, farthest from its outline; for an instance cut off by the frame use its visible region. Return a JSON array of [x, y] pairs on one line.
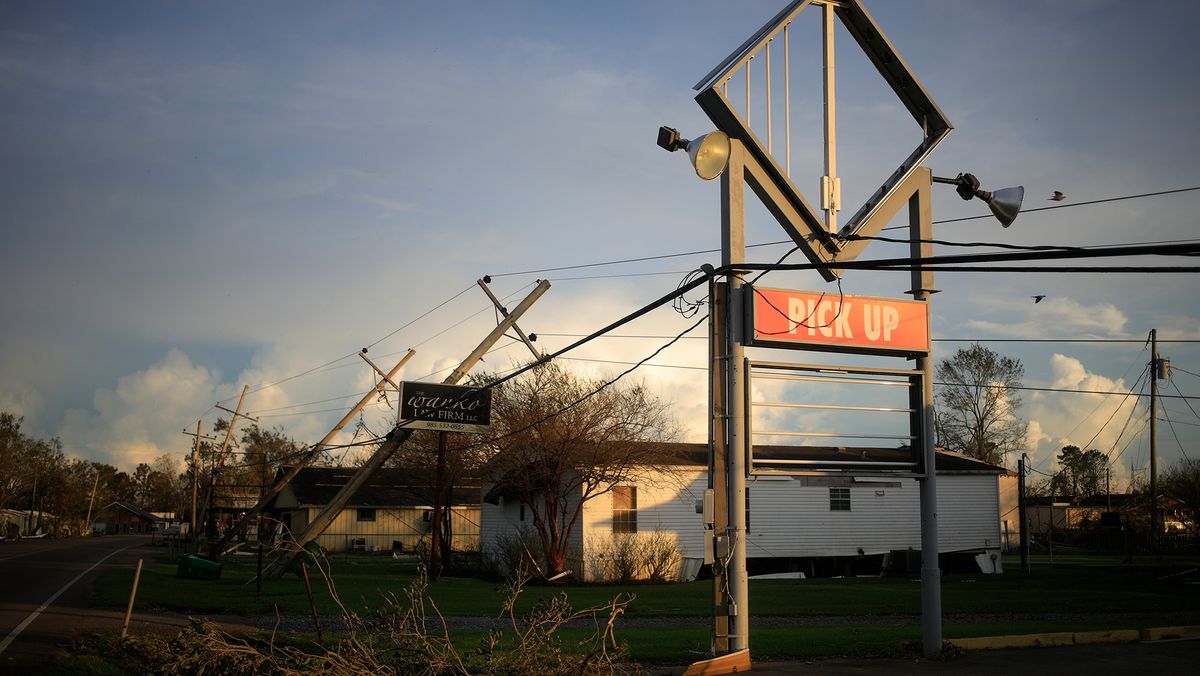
[[975, 605]]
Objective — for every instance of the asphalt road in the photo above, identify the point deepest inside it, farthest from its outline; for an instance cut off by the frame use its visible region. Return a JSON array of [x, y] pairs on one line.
[[44, 589]]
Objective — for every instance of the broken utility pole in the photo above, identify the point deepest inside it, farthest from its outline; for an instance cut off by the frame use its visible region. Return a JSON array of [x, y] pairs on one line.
[[207, 515], [393, 441], [283, 481], [192, 532]]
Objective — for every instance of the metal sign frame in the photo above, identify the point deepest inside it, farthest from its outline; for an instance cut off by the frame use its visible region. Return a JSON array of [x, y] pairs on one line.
[[804, 225], [857, 460]]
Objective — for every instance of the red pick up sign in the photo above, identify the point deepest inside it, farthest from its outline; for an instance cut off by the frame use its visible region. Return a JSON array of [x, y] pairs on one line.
[[838, 323]]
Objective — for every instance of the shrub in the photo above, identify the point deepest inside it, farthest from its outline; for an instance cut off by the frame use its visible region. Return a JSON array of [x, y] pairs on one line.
[[625, 557]]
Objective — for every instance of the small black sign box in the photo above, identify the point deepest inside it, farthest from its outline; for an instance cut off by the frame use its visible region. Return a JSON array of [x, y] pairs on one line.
[[449, 408]]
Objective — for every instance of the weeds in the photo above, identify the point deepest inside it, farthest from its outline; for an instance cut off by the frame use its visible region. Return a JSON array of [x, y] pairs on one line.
[[407, 636]]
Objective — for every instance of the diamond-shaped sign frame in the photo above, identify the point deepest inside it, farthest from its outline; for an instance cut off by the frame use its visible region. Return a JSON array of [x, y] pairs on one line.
[[810, 233]]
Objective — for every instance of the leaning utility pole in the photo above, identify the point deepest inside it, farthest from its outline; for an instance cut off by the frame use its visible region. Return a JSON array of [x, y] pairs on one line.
[[282, 482], [211, 526], [393, 441], [192, 533], [87, 523]]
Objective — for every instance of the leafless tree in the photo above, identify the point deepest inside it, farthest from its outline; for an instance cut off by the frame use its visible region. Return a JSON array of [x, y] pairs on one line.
[[978, 400], [560, 439]]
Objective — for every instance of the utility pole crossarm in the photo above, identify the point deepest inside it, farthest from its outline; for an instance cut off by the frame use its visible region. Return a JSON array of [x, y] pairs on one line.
[[504, 311], [393, 441], [287, 477], [236, 414]]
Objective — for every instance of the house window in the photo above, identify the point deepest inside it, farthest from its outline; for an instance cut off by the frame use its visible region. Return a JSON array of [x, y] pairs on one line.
[[624, 516], [839, 499], [366, 513], [522, 511]]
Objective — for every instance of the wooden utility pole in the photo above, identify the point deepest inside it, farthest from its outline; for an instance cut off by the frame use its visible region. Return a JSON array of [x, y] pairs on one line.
[[1154, 374], [192, 532], [218, 462], [283, 481], [87, 523], [1021, 514], [394, 440], [435, 532]]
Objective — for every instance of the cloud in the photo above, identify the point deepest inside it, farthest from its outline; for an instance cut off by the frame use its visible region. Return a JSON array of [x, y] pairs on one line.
[[1065, 316], [1105, 422], [140, 418]]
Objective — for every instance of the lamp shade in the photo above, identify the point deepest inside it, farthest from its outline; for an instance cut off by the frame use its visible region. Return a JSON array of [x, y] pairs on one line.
[[709, 154], [1006, 204]]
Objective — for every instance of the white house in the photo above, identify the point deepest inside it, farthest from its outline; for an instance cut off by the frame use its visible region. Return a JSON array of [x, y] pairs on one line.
[[391, 513], [813, 523]]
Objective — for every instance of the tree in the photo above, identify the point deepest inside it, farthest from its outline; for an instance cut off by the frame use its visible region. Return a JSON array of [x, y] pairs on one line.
[[1081, 473], [1182, 482], [560, 439], [977, 404]]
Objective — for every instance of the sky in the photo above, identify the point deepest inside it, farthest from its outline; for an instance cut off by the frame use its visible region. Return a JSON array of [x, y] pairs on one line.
[[197, 197]]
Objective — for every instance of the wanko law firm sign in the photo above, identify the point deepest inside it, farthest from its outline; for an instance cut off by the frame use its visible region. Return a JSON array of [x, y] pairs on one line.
[[838, 323], [446, 408]]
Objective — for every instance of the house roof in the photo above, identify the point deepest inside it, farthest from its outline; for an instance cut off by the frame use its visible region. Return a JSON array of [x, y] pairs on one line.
[[388, 487], [829, 457], [133, 509], [816, 458]]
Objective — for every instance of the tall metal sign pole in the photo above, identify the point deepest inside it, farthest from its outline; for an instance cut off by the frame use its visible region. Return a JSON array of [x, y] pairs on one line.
[[733, 251], [920, 223], [752, 163]]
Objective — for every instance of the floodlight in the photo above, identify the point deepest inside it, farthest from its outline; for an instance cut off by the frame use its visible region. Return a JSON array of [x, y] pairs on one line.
[[709, 153], [1004, 203]]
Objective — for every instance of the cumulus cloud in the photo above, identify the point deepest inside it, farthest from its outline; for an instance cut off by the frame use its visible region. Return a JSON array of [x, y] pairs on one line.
[[140, 418], [1024, 319], [1105, 422]]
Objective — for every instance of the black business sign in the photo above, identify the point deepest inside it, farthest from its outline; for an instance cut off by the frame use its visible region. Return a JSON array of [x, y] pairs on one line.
[[448, 408]]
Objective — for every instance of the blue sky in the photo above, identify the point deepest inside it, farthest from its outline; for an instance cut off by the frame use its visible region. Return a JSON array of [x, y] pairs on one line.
[[198, 196]]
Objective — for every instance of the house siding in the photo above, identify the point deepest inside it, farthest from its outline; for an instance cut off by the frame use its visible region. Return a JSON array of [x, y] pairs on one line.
[[791, 516], [405, 526], [501, 523]]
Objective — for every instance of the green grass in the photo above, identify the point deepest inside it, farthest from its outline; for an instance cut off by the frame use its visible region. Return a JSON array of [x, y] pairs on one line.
[[361, 582], [1094, 593]]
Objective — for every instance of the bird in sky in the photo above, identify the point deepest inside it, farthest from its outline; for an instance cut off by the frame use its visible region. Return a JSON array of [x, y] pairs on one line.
[[1057, 196], [1037, 299]]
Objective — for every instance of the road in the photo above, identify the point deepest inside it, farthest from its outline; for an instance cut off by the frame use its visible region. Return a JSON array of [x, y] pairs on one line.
[[44, 589]]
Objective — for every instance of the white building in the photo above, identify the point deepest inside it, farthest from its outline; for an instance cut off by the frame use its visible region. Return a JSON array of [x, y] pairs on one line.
[[815, 523]]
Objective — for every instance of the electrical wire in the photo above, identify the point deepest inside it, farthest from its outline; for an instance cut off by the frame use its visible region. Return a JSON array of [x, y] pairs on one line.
[[943, 242], [1137, 341], [1189, 405], [1145, 370], [1073, 204], [780, 242], [423, 315], [599, 389], [1171, 426]]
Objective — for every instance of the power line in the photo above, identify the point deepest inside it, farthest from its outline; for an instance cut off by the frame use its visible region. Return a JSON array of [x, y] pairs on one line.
[[698, 252], [1137, 341], [1073, 204], [423, 315]]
